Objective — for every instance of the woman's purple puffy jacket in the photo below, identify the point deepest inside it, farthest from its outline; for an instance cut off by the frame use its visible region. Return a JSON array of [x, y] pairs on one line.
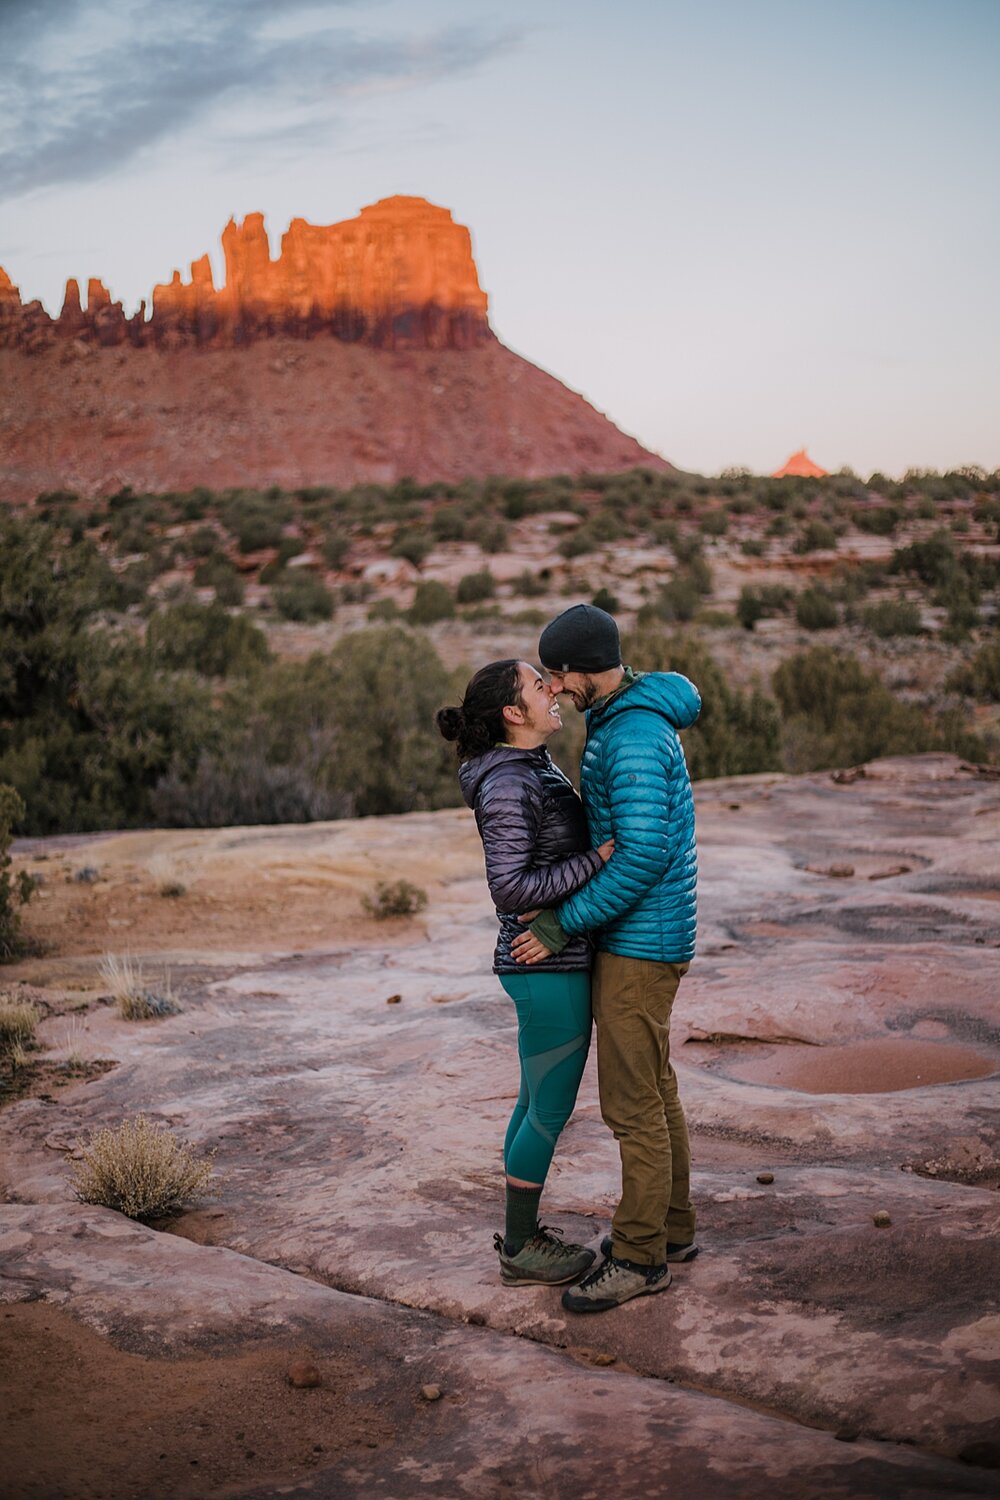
[[535, 840]]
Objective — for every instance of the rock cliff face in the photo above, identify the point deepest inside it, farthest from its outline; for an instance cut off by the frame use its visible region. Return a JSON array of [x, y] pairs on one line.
[[399, 276], [362, 353]]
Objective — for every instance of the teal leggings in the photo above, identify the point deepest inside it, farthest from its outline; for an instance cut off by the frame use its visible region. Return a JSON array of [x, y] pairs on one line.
[[553, 1038]]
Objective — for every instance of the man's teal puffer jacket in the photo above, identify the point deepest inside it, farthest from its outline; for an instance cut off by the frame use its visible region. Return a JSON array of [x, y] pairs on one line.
[[636, 789]]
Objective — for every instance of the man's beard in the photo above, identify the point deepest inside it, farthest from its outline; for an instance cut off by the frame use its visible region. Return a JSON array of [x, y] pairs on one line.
[[583, 698]]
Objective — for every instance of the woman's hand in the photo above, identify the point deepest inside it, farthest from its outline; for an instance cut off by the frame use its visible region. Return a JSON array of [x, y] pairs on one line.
[[606, 850]]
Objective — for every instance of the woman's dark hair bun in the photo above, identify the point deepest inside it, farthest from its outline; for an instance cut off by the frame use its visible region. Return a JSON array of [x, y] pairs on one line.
[[451, 722]]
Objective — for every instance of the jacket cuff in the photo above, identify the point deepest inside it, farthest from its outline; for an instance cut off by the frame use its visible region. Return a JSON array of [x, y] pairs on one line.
[[549, 933]]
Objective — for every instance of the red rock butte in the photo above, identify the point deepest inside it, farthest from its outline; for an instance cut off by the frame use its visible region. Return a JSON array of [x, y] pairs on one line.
[[800, 466], [399, 276], [361, 353]]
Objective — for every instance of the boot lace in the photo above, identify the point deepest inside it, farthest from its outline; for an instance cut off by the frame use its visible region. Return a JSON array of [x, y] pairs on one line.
[[549, 1240]]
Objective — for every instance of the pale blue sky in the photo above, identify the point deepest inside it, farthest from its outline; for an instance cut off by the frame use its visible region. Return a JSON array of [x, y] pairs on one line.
[[737, 226]]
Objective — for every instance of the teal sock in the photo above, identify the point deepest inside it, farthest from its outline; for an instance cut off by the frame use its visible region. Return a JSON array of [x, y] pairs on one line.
[[522, 1216]]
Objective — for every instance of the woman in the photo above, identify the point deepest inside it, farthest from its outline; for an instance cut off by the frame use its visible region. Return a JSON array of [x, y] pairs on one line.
[[534, 835]]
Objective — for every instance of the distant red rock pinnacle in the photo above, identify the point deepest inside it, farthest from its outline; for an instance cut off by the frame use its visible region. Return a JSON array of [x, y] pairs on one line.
[[800, 466]]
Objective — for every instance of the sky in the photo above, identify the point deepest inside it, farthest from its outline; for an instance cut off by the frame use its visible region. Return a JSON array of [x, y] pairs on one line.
[[738, 227]]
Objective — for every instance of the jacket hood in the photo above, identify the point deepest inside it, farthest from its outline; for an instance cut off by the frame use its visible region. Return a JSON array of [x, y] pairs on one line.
[[666, 693], [472, 772]]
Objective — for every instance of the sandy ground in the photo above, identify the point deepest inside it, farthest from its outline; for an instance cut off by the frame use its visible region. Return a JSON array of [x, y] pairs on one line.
[[837, 1035]]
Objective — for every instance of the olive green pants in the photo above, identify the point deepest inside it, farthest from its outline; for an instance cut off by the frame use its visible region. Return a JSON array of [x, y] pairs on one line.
[[632, 1000]]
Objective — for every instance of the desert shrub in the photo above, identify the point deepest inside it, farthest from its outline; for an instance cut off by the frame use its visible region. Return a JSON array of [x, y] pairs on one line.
[[714, 523], [336, 545], [141, 1170], [879, 520], [14, 893], [17, 1025], [835, 713], [204, 542], [678, 600], [736, 733], [934, 560], [347, 733], [489, 536], [891, 617], [449, 524], [239, 786], [257, 521], [206, 639], [529, 585], [815, 536], [411, 542], [761, 602], [302, 596], [815, 610], [136, 999], [474, 587], [606, 600], [753, 546], [979, 678], [432, 601], [218, 573], [384, 609], [397, 898]]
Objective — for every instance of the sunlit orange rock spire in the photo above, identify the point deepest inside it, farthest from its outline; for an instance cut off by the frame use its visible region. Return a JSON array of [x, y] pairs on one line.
[[800, 466], [399, 276]]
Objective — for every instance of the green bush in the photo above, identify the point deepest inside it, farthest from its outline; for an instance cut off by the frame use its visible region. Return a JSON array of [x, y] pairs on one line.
[[980, 677], [606, 600], [761, 602], [336, 546], [474, 587], [834, 713], [879, 520], [815, 536], [205, 638], [412, 543], [14, 894], [302, 596], [529, 585], [397, 898], [890, 617], [815, 610], [714, 523], [736, 733], [219, 574], [432, 601]]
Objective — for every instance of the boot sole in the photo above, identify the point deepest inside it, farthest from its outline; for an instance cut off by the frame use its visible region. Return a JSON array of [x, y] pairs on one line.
[[588, 1306], [542, 1280]]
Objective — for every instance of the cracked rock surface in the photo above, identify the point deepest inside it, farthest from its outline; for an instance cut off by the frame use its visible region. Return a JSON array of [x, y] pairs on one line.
[[806, 1351]]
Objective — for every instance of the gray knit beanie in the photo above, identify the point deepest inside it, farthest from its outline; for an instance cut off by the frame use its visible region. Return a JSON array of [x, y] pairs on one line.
[[581, 639]]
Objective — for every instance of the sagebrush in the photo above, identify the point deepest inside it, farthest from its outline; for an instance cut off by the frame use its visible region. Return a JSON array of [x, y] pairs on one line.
[[396, 898], [141, 1170]]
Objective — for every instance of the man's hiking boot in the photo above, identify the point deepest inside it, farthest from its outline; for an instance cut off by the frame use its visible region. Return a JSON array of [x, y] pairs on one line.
[[615, 1282], [543, 1260], [676, 1254]]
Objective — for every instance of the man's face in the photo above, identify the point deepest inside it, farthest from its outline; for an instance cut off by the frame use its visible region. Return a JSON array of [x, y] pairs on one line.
[[579, 686]]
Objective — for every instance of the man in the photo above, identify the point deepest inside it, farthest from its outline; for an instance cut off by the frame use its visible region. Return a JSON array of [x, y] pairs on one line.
[[641, 909]]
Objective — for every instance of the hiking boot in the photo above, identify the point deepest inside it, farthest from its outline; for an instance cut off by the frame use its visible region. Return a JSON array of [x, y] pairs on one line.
[[676, 1254], [615, 1282], [543, 1260]]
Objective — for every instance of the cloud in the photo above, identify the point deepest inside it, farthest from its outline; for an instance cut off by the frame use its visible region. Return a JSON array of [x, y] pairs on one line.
[[90, 84]]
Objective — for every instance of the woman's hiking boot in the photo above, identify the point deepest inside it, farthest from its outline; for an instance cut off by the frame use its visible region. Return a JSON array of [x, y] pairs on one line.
[[676, 1254], [615, 1282], [543, 1260]]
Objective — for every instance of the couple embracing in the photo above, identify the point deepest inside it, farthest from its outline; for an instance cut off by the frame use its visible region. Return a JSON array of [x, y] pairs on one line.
[[596, 902]]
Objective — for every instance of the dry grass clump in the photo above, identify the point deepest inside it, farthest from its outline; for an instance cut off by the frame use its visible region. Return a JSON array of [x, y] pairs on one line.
[[135, 999], [17, 1025], [141, 1170], [399, 898]]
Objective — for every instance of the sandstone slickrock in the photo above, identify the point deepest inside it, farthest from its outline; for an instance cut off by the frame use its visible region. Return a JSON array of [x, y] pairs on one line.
[[359, 1143]]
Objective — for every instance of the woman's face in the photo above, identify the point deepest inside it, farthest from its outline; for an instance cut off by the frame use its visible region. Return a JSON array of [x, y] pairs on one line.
[[541, 706]]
